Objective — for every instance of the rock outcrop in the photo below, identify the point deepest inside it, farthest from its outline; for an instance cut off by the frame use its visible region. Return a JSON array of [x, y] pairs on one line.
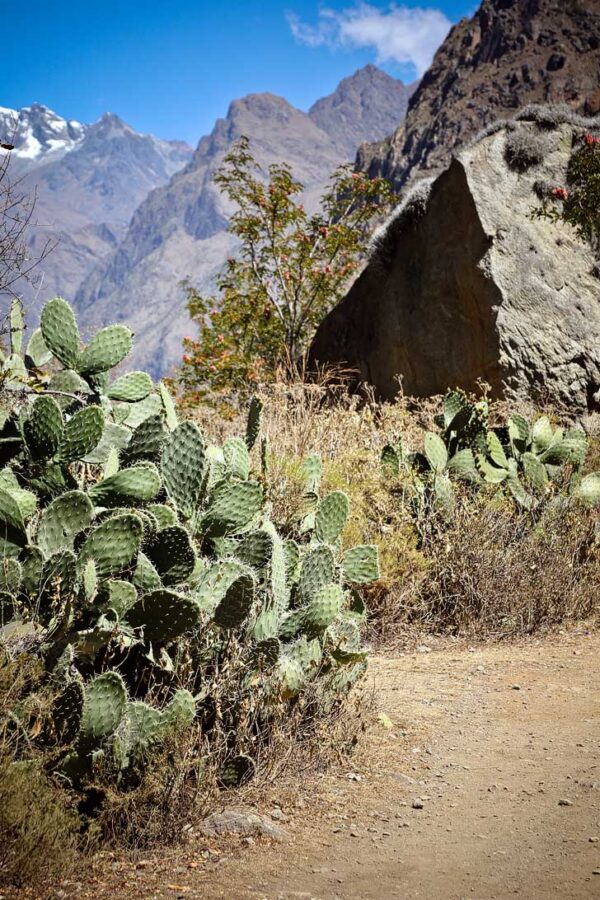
[[509, 54], [465, 283]]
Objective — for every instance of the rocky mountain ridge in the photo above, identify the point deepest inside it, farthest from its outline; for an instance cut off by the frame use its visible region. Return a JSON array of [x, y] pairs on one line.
[[87, 181], [509, 54]]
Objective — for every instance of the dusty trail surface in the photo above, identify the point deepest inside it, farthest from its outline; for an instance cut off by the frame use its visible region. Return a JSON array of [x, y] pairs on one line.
[[499, 745]]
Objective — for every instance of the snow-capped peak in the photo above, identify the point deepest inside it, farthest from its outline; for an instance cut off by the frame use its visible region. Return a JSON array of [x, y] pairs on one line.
[[38, 133]]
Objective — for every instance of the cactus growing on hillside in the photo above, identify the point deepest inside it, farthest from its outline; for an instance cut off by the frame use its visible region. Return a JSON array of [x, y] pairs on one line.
[[529, 460], [144, 554]]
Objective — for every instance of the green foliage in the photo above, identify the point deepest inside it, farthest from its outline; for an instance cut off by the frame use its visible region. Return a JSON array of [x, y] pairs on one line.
[[147, 559], [578, 203], [290, 270]]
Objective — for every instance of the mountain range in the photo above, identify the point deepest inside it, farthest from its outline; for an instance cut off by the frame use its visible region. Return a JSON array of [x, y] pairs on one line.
[[134, 215], [88, 180]]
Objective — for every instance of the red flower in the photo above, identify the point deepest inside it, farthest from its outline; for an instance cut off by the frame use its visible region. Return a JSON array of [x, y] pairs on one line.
[[590, 140], [560, 193]]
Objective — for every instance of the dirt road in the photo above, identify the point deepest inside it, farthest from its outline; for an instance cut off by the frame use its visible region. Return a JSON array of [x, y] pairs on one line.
[[484, 783]]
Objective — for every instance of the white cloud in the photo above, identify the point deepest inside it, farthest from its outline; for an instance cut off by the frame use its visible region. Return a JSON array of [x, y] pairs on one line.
[[401, 34]]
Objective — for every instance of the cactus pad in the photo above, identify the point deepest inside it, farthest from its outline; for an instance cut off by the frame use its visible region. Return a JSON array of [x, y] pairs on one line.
[[463, 464], [114, 544], [167, 406], [496, 451], [253, 423], [216, 581], [172, 553], [107, 349], [145, 576], [131, 388], [134, 485], [164, 615], [81, 434], [435, 451], [312, 468], [180, 712], [17, 326], [317, 570], [233, 507], [588, 490], [183, 466], [361, 564], [237, 771], [119, 596], [62, 519], [291, 676], [144, 727], [535, 471], [138, 412], [31, 560], [331, 517], [67, 711], [320, 612], [37, 354], [267, 624], [104, 704], [163, 514], [390, 460], [114, 437], [58, 576], [147, 440], [255, 549], [43, 429], [60, 332], [12, 526], [237, 459], [235, 606]]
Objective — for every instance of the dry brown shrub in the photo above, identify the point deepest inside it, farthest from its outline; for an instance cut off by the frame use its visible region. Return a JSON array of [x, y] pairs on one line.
[[493, 570], [39, 826]]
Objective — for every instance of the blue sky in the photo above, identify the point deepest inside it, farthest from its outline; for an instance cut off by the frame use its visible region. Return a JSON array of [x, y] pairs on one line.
[[171, 67]]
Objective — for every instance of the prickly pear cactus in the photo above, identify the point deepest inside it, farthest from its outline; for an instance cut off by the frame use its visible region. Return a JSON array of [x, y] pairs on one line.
[[147, 560]]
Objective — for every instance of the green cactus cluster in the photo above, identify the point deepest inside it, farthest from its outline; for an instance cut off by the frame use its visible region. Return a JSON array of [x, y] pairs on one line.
[[143, 554], [531, 461]]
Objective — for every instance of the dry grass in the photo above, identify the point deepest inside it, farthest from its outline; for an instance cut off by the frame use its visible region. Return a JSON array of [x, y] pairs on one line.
[[39, 826], [494, 571], [491, 571]]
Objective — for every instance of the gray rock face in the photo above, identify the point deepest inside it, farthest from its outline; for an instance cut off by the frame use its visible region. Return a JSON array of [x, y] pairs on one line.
[[464, 284]]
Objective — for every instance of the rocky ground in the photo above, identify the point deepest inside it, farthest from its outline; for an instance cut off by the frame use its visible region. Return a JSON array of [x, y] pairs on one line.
[[478, 776]]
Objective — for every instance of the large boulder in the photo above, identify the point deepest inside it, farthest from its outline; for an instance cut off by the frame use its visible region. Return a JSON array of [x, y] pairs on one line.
[[465, 283]]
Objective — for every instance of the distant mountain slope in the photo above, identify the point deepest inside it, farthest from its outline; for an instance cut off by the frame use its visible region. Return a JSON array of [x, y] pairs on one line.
[[509, 54], [88, 180], [179, 230], [369, 102]]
